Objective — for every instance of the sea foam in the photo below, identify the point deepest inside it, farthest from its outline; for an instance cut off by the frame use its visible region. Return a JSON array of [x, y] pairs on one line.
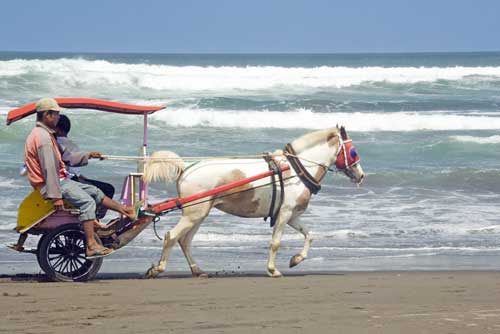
[[81, 72], [478, 140], [303, 118]]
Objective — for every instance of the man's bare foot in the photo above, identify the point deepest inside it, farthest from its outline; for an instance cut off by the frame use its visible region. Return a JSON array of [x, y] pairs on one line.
[[16, 247], [130, 212], [98, 224]]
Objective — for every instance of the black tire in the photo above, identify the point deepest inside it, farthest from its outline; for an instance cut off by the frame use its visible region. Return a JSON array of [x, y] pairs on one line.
[[38, 248], [61, 255]]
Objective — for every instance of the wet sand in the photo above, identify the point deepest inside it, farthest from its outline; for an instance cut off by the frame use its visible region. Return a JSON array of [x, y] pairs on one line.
[[352, 302]]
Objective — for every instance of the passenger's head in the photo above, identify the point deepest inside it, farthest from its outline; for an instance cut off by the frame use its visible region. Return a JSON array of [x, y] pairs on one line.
[[47, 112], [64, 125]]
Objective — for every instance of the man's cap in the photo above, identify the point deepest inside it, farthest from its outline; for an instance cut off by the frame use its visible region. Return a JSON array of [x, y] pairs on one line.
[[47, 104]]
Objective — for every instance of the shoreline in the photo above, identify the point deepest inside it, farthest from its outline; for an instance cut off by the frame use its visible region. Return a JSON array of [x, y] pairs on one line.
[[346, 302], [111, 276]]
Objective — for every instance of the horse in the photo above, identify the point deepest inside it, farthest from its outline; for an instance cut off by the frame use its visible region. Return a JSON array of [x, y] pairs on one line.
[[311, 156]]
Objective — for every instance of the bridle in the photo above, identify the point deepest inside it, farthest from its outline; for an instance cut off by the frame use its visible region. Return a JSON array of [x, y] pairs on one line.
[[346, 158], [345, 161]]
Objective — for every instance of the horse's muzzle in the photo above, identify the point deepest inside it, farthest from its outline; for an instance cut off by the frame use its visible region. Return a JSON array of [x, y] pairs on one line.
[[360, 180]]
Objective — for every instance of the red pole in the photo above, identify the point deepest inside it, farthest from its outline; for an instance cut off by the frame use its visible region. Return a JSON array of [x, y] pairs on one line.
[[177, 201]]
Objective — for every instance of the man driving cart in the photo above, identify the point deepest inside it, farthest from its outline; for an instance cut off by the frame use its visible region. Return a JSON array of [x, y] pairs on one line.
[[46, 173]]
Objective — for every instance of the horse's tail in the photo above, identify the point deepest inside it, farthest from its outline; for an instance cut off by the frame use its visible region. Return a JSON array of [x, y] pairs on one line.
[[163, 165]]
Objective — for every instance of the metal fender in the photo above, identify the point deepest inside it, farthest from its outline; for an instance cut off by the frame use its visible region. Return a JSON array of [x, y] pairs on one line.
[[33, 209]]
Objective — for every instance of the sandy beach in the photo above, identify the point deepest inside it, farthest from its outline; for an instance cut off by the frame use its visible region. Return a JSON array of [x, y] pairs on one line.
[[344, 302]]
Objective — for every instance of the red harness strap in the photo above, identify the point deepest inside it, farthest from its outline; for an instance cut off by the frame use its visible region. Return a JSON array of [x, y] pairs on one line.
[[169, 204]]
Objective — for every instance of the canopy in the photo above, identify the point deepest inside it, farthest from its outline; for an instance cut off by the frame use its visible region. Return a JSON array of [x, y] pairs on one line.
[[84, 103]]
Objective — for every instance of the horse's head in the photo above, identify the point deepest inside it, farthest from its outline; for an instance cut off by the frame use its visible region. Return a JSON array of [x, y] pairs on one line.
[[328, 147], [347, 159]]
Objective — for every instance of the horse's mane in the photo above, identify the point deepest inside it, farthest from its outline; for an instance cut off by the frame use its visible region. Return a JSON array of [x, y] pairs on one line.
[[313, 138]]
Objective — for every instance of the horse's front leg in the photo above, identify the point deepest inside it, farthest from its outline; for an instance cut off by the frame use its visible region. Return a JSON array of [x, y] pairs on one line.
[[298, 258], [283, 218]]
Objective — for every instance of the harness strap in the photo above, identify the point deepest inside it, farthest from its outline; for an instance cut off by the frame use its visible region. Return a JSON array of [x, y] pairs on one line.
[[178, 203], [273, 166], [304, 176]]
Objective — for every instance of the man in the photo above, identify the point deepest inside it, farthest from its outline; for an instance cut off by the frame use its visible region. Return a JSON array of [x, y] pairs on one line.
[[46, 173], [74, 159]]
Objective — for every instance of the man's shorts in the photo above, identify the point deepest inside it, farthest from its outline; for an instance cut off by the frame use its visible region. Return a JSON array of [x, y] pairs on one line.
[[84, 197]]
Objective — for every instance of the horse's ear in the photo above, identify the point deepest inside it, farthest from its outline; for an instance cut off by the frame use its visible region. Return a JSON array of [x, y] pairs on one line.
[[337, 126], [343, 133]]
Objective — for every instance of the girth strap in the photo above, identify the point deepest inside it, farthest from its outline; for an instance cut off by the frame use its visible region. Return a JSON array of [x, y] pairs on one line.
[[273, 166], [306, 178]]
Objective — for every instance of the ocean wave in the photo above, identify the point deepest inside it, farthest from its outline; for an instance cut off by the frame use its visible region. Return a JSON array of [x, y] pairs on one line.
[[245, 238], [81, 72], [478, 140], [306, 119], [411, 249]]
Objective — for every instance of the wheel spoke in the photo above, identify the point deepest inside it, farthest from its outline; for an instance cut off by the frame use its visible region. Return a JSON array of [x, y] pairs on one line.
[[56, 251], [66, 241], [82, 257], [58, 263], [80, 262], [79, 250], [73, 267], [73, 242], [65, 267], [55, 257], [58, 242]]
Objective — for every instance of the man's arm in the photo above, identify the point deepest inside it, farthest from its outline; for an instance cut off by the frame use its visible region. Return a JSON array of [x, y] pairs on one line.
[[71, 155], [50, 171]]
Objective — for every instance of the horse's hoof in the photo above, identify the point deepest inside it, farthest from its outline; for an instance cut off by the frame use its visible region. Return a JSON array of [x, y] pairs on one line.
[[152, 272], [274, 273], [200, 275], [295, 260]]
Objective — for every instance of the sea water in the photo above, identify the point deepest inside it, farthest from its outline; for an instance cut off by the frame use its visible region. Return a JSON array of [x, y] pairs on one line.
[[427, 128]]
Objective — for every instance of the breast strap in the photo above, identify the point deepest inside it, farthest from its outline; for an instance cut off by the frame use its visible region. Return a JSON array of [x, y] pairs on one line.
[[306, 178]]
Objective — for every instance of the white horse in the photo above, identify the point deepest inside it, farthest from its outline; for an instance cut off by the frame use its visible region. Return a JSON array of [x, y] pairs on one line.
[[310, 156]]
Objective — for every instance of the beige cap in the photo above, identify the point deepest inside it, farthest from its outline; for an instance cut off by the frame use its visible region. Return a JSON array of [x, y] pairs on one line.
[[47, 104]]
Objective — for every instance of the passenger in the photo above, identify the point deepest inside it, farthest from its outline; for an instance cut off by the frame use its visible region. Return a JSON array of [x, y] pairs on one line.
[[74, 159], [47, 174]]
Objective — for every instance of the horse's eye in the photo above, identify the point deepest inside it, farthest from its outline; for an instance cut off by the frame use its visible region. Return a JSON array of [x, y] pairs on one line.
[[353, 153]]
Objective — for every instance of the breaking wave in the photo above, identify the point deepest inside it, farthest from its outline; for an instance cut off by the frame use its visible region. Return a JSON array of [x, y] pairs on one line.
[[356, 121], [478, 140], [81, 72]]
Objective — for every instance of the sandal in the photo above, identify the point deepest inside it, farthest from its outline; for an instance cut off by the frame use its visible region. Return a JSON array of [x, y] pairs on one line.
[[100, 253]]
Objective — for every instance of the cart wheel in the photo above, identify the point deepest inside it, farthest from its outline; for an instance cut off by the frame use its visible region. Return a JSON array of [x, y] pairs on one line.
[[38, 247], [61, 255]]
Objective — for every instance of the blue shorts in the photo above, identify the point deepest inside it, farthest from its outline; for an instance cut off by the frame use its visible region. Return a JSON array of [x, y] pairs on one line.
[[84, 197]]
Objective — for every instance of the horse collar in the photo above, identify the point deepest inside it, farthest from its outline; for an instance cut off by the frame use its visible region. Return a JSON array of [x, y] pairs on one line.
[[306, 178]]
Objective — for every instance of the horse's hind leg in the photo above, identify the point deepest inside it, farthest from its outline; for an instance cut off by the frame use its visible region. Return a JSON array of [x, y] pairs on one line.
[[185, 243], [189, 219], [298, 258]]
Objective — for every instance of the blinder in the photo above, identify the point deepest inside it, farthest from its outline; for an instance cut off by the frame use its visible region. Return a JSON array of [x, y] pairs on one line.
[[347, 155]]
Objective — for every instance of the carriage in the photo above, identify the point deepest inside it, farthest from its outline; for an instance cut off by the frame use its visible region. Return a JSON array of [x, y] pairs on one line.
[[61, 248], [60, 251]]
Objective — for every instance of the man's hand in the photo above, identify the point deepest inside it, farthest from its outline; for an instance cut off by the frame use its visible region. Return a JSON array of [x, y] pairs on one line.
[[95, 155], [58, 203]]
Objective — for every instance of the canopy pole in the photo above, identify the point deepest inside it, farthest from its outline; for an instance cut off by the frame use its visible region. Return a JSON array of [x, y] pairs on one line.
[[142, 185], [145, 130]]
